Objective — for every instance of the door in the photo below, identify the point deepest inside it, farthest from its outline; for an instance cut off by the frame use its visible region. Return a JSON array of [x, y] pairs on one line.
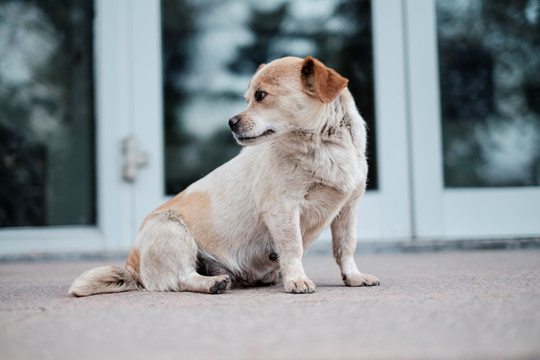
[[49, 185], [474, 85], [76, 81]]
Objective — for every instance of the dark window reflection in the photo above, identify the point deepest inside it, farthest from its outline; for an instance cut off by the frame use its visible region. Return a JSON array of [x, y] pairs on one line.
[[46, 113], [212, 48], [489, 64]]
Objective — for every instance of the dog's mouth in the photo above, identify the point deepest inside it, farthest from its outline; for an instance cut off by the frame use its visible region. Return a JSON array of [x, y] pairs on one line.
[[248, 139]]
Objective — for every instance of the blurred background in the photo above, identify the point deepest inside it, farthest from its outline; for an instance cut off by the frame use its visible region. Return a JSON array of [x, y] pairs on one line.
[[108, 108]]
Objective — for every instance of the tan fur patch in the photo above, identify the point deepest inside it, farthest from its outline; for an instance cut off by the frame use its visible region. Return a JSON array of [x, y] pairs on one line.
[[133, 261], [284, 70], [196, 212]]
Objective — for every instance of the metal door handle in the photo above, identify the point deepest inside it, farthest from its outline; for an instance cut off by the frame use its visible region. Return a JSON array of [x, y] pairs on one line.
[[135, 159]]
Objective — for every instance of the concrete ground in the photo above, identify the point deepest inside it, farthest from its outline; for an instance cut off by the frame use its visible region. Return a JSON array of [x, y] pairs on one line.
[[479, 305]]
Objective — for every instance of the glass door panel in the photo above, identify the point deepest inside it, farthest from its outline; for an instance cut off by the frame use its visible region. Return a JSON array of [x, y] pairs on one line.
[[47, 164], [67, 80], [475, 124], [489, 74]]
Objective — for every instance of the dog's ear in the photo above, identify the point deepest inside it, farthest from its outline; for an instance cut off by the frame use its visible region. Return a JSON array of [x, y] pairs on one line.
[[260, 67], [321, 81]]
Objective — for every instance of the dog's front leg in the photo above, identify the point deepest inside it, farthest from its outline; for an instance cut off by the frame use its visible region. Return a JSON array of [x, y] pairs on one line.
[[343, 245], [285, 231]]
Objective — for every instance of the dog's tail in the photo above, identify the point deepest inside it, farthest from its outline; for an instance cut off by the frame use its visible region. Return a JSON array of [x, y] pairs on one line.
[[104, 279]]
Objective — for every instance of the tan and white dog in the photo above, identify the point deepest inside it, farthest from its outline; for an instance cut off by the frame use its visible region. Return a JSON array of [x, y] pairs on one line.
[[304, 169]]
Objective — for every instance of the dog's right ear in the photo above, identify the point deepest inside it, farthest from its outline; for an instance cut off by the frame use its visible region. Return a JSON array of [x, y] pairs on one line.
[[321, 81]]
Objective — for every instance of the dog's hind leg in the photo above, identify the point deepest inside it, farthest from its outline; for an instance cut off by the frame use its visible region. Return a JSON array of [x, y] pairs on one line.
[[205, 284], [168, 255]]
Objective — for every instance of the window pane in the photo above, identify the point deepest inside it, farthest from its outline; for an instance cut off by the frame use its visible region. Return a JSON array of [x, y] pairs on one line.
[[46, 113], [489, 64], [212, 48]]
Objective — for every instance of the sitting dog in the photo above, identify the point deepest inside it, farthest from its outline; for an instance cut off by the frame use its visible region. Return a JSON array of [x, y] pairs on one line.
[[249, 221]]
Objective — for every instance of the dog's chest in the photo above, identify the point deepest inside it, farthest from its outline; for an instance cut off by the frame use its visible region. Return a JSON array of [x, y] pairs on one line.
[[320, 205], [326, 168]]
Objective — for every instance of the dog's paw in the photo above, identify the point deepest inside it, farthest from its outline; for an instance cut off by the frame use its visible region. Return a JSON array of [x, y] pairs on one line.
[[360, 279], [221, 284], [300, 286]]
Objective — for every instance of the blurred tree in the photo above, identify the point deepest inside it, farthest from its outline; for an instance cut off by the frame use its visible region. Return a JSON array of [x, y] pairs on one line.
[[178, 28], [266, 29], [489, 72]]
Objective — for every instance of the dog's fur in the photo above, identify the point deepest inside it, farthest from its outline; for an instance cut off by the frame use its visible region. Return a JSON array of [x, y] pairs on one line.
[[250, 220]]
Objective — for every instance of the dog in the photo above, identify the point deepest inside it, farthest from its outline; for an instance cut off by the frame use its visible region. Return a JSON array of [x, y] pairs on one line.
[[249, 222]]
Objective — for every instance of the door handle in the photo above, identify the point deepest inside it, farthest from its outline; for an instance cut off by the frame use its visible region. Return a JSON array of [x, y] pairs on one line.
[[134, 159]]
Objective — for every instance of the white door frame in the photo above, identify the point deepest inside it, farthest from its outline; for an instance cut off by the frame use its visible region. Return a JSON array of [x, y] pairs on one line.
[[394, 219], [148, 106], [451, 213]]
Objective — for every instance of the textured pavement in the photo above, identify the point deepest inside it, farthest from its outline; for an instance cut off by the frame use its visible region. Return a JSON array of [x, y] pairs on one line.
[[468, 305]]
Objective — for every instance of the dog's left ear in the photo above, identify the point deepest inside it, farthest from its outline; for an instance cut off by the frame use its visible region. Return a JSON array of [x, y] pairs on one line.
[[321, 81], [260, 67]]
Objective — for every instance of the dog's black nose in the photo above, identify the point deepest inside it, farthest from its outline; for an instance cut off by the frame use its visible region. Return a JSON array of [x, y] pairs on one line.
[[233, 122]]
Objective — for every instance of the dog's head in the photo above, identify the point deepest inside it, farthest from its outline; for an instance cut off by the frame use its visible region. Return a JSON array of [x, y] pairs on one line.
[[285, 95]]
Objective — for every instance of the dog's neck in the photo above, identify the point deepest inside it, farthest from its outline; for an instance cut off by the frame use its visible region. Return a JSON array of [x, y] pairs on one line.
[[337, 122], [325, 147]]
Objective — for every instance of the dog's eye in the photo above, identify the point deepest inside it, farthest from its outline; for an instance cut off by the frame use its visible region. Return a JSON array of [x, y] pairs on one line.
[[259, 95]]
